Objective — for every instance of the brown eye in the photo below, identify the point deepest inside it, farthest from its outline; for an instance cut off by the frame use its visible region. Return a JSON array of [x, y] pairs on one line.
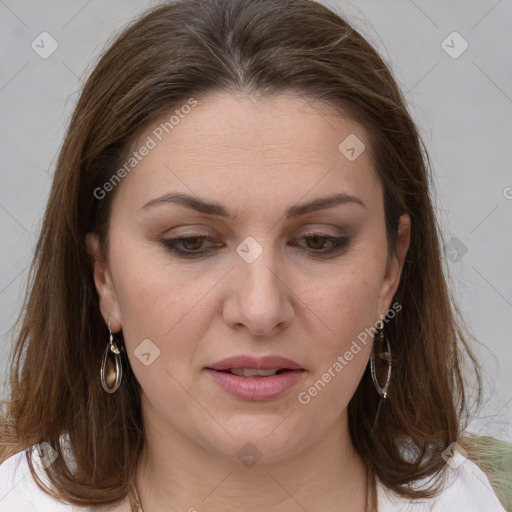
[[193, 243], [316, 242], [322, 244], [188, 246]]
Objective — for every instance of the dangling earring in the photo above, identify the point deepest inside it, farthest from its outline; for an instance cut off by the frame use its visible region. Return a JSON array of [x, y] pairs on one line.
[[109, 374], [386, 356]]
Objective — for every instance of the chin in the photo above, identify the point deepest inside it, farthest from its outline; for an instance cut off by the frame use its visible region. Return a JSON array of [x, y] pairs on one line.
[[252, 445]]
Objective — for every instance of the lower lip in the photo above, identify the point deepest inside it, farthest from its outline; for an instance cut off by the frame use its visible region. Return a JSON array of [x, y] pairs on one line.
[[257, 388]]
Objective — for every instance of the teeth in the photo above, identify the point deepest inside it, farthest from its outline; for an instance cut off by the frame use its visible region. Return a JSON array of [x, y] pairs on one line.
[[252, 372]]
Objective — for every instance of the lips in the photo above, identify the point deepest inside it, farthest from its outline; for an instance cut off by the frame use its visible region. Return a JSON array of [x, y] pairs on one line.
[[262, 363], [250, 378], [253, 372]]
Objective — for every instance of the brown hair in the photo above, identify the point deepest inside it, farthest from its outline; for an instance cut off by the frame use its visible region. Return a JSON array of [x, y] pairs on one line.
[[173, 52]]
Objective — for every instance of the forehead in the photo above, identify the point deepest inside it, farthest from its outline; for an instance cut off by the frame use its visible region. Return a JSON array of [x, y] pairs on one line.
[[266, 127], [281, 147]]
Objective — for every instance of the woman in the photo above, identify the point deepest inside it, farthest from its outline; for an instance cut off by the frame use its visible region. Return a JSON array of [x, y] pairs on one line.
[[242, 206]]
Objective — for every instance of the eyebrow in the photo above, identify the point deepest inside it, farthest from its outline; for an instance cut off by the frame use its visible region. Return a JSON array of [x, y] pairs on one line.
[[212, 208]]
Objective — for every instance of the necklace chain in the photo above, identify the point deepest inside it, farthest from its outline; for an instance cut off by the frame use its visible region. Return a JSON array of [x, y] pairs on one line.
[[137, 507]]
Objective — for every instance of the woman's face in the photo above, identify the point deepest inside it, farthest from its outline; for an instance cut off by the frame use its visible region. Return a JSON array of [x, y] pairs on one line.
[[272, 268]]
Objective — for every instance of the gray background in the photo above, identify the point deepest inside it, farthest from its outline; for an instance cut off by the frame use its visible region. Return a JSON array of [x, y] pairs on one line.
[[463, 107]]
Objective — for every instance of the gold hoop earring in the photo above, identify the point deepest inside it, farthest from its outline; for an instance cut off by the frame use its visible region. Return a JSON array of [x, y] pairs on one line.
[[114, 373], [386, 356]]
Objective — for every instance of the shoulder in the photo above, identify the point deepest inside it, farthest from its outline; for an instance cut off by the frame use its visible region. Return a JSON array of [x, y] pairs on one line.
[[466, 489], [20, 493]]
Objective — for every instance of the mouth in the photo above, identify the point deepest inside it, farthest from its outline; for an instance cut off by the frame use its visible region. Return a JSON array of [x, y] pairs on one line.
[[250, 366], [254, 372], [256, 378], [253, 384]]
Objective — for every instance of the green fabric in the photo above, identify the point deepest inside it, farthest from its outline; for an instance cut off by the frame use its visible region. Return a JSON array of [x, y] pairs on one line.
[[495, 459]]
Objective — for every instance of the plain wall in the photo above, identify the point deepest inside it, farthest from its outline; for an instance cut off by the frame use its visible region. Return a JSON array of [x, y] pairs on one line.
[[462, 105]]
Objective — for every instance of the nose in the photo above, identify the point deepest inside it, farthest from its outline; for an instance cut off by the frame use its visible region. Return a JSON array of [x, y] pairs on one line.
[[259, 298]]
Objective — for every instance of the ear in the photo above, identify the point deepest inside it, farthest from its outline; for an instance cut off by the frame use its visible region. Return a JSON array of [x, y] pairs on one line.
[[395, 265], [109, 305]]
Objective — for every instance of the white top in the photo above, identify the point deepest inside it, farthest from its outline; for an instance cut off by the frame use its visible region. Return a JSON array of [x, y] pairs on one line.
[[467, 489]]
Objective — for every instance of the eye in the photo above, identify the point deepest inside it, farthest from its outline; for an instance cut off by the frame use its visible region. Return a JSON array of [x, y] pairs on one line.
[[193, 245], [317, 241], [322, 243], [188, 246]]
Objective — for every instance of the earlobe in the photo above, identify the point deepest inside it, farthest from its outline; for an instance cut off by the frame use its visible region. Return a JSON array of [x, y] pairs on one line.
[[104, 286]]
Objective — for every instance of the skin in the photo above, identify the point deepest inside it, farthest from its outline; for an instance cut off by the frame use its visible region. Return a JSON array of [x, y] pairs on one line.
[[258, 157]]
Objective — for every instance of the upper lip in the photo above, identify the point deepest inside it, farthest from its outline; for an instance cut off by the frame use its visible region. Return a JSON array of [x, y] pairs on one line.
[[258, 363]]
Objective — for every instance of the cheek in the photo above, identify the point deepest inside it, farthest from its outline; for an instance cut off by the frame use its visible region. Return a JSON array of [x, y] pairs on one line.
[[347, 310], [346, 304], [342, 352], [167, 305]]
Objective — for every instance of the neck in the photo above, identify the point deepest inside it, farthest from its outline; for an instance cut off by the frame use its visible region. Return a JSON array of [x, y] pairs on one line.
[[174, 471]]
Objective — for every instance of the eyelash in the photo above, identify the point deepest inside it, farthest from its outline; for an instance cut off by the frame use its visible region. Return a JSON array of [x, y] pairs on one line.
[[171, 244]]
